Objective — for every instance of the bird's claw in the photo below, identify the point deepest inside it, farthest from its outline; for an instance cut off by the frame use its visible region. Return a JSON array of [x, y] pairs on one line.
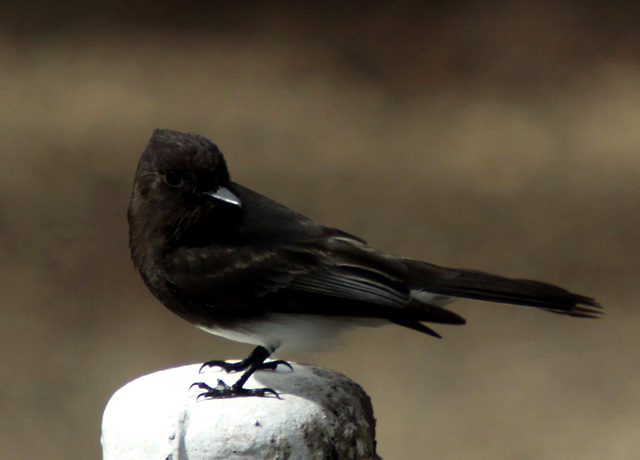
[[222, 390], [226, 366], [273, 365], [238, 366]]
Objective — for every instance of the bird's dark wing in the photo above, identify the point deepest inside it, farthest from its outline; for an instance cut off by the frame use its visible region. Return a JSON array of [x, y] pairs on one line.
[[332, 276], [330, 267], [244, 271]]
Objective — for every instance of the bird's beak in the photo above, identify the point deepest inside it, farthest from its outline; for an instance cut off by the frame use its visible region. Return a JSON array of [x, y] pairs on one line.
[[226, 196]]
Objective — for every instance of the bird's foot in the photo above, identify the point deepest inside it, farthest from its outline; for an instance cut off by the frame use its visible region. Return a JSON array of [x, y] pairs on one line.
[[237, 366], [222, 390]]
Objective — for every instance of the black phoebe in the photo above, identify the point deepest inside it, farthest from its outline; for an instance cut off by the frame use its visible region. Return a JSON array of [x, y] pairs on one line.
[[244, 267]]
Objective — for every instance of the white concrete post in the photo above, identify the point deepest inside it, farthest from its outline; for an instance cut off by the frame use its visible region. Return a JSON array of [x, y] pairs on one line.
[[322, 415]]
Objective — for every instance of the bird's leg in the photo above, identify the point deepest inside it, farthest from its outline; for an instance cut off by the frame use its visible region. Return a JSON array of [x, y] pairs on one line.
[[254, 362], [259, 353]]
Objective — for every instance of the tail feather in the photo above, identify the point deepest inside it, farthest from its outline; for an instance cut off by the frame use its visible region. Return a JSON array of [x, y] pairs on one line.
[[418, 311], [474, 284], [416, 326]]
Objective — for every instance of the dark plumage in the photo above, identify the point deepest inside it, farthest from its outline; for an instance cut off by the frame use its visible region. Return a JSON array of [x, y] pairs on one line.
[[242, 266]]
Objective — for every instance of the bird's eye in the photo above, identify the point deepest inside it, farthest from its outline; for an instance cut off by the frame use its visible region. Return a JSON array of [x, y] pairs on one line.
[[173, 179]]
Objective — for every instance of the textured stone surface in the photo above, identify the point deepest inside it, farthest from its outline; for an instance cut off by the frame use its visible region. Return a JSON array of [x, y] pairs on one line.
[[322, 415]]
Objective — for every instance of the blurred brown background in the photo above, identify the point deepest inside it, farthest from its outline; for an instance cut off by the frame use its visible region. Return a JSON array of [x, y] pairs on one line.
[[476, 134]]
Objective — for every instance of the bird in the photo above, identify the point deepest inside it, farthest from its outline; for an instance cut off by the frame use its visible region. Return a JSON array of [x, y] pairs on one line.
[[242, 266]]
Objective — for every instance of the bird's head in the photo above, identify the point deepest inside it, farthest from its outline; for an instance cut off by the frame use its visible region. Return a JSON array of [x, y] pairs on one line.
[[181, 193]]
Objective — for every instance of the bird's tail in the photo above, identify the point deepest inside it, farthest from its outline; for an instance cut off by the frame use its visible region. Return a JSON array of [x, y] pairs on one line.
[[474, 284]]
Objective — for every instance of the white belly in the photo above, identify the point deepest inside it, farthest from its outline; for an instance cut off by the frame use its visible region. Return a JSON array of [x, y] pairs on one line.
[[293, 332]]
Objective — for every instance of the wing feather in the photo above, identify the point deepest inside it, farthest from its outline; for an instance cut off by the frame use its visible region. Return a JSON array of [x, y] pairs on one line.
[[333, 268]]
